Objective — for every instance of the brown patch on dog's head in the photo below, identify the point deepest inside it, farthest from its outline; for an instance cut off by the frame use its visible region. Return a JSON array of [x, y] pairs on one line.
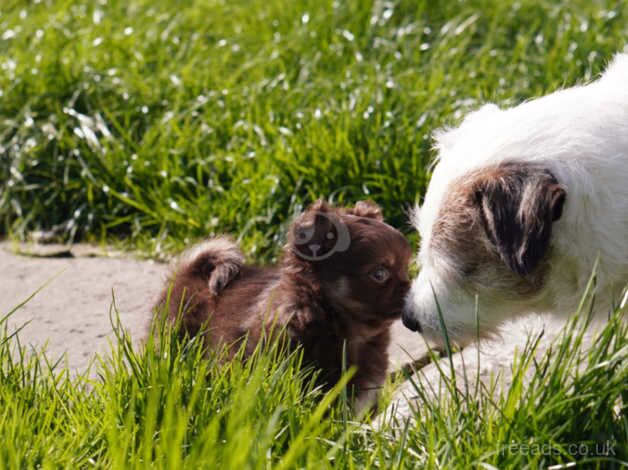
[[500, 215], [360, 262]]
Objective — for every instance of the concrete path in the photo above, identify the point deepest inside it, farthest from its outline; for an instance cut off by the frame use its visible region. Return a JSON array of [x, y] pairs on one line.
[[71, 312]]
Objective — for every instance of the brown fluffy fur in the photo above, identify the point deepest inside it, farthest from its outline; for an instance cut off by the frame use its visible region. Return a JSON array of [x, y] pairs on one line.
[[321, 303]]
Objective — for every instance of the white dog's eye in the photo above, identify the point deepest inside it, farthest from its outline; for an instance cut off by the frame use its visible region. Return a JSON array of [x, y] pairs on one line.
[[380, 275]]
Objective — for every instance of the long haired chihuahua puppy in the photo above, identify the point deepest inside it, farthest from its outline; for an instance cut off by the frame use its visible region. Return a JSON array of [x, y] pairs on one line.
[[338, 288]]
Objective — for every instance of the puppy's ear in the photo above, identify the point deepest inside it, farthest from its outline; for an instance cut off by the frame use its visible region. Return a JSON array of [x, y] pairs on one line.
[[320, 205], [311, 226], [367, 209], [518, 204], [318, 233]]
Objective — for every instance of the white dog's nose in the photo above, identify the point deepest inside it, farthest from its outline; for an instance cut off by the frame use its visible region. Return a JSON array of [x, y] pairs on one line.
[[411, 323]]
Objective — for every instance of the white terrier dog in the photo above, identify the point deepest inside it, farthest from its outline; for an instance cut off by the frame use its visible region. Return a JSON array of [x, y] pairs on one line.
[[521, 203]]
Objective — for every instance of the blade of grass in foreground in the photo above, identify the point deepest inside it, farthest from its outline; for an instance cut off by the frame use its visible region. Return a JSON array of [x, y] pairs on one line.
[[170, 404], [559, 403]]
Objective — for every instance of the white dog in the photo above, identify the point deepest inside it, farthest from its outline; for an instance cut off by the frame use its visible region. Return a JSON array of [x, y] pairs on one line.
[[521, 203]]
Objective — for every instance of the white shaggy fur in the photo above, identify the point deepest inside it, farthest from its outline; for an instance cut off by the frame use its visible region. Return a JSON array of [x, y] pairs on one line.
[[580, 134]]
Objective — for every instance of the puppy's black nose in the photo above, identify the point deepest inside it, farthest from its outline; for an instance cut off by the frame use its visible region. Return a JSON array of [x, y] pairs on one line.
[[410, 322]]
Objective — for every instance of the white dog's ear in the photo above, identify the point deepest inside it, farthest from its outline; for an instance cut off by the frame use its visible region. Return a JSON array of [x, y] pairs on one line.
[[518, 204]]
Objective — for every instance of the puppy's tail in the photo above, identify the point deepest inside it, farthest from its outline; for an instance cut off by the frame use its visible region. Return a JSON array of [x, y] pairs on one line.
[[217, 260]]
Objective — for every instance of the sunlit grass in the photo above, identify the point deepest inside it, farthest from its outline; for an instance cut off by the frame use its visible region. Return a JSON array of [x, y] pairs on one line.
[[162, 122], [169, 405], [156, 123]]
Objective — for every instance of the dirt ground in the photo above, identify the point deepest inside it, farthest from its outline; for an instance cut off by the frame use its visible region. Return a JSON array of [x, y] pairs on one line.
[[70, 313]]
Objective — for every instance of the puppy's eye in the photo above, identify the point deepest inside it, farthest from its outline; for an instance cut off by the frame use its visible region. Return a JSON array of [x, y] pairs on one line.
[[380, 275]]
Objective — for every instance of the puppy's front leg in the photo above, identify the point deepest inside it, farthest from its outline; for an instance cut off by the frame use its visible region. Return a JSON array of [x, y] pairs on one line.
[[372, 366]]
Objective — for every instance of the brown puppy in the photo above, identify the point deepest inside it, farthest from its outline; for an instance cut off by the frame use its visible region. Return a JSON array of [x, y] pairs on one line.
[[342, 280]]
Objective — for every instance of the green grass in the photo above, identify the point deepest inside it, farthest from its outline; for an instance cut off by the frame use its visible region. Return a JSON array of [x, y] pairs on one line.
[[166, 405], [154, 124], [158, 123]]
